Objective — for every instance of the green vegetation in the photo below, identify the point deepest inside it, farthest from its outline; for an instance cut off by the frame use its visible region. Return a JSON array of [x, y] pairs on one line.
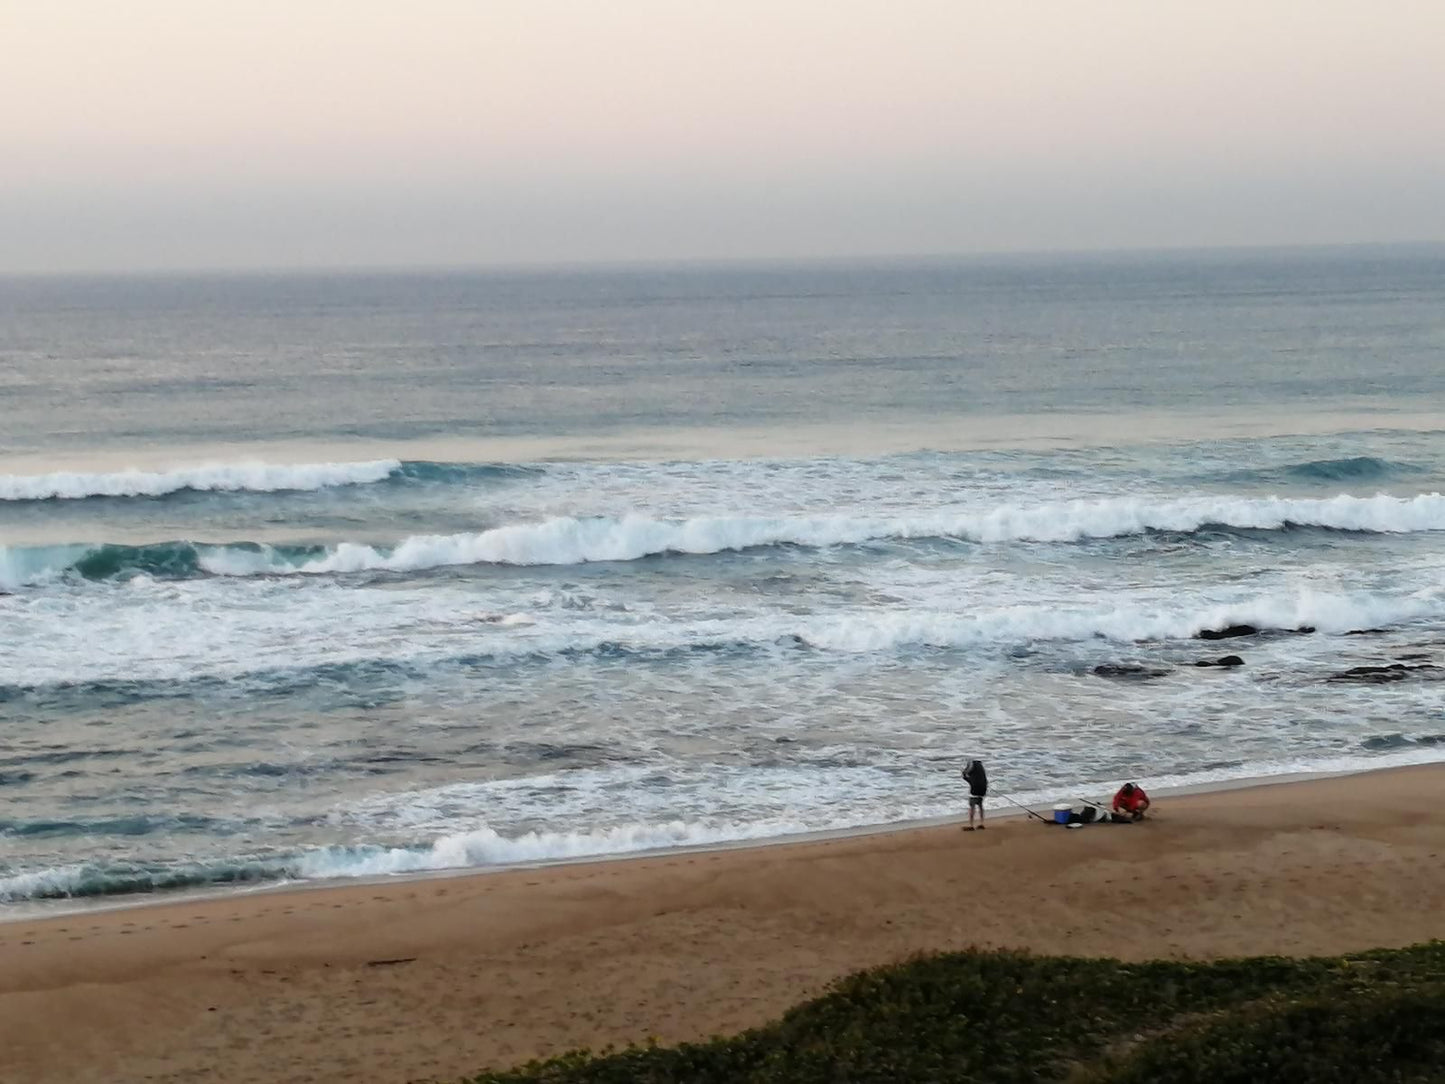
[[1001, 1016]]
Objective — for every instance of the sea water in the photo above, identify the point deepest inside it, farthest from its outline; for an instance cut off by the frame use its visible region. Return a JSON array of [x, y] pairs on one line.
[[324, 576]]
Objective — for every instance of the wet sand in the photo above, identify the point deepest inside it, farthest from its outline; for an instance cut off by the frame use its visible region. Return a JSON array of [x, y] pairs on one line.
[[436, 978]]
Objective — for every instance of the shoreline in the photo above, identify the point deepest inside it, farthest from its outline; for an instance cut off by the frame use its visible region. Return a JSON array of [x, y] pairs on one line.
[[102, 903], [440, 977]]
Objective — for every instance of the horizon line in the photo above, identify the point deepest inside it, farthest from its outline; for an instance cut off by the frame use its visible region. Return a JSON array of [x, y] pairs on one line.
[[643, 263]]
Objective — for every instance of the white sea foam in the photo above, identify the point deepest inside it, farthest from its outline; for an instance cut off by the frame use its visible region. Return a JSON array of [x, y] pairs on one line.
[[485, 847], [177, 631], [224, 477], [44, 883], [1328, 612]]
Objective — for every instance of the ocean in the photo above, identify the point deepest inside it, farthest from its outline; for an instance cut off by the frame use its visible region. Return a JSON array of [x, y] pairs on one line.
[[309, 577]]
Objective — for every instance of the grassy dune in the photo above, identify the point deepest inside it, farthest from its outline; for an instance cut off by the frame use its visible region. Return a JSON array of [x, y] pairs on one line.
[[999, 1017]]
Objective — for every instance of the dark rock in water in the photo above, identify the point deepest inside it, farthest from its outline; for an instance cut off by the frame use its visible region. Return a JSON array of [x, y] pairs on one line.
[[1230, 631], [1227, 632], [1128, 670], [1416, 657], [1223, 660], [1365, 632], [1379, 675]]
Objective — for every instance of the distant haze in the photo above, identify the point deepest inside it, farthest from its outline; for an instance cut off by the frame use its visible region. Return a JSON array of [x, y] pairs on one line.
[[195, 133]]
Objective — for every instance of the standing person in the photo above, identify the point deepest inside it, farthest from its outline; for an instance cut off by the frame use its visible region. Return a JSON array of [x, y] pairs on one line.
[[1131, 801], [977, 780]]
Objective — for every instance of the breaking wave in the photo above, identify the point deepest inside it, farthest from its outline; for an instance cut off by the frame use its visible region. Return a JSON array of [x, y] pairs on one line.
[[225, 478], [479, 849], [1358, 468], [248, 478], [82, 881], [571, 541], [1347, 470]]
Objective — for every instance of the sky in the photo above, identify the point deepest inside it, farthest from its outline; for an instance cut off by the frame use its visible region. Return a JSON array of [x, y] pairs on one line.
[[157, 134]]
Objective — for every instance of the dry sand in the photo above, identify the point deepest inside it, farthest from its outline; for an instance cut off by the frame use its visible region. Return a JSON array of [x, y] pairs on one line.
[[436, 978]]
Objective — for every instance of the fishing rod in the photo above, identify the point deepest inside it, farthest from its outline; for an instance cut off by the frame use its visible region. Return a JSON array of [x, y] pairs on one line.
[[1025, 808]]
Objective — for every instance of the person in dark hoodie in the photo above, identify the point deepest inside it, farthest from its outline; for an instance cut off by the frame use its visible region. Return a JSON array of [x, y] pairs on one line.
[[977, 780]]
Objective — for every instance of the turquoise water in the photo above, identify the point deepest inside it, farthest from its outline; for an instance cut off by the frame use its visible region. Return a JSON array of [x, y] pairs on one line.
[[312, 577]]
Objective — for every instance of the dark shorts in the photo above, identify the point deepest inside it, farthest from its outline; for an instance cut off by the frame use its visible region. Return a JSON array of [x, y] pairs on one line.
[[975, 801]]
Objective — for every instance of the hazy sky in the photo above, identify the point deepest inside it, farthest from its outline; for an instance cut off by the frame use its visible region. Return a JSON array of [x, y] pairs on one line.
[[201, 133]]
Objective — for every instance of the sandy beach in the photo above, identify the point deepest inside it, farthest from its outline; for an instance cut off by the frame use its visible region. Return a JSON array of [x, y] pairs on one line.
[[432, 979]]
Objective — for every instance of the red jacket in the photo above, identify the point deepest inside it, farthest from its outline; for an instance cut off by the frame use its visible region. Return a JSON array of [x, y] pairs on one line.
[[1131, 803]]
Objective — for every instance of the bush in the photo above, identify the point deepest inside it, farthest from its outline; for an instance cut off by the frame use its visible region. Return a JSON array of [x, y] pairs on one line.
[[1002, 1017], [1379, 1035]]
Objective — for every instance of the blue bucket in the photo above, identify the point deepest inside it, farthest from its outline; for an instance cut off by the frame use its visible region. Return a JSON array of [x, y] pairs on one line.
[[1061, 814]]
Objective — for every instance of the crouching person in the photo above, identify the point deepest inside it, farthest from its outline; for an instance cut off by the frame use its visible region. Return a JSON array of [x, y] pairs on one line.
[[1131, 802]]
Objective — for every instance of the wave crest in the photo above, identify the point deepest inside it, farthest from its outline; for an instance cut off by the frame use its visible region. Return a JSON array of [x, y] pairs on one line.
[[218, 477], [571, 541], [478, 849], [567, 540]]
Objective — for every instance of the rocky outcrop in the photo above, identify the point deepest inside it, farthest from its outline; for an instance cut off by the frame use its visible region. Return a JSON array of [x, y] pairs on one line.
[[1231, 631], [1129, 671], [1379, 675], [1228, 632], [1223, 660]]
